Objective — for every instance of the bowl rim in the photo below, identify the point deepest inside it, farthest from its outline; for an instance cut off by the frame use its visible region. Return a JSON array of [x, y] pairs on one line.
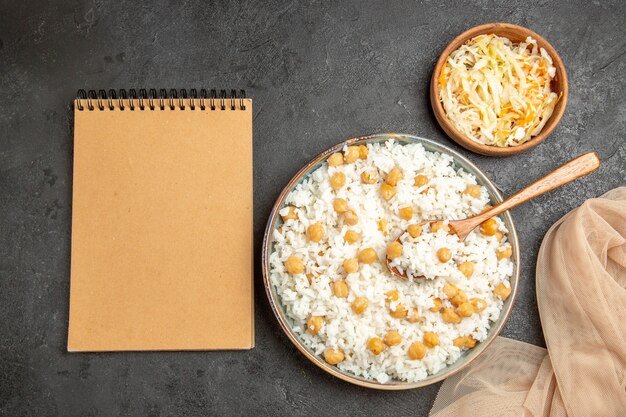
[[490, 150], [333, 370]]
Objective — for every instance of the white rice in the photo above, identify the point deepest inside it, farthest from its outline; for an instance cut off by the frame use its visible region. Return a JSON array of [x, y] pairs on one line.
[[441, 198], [419, 257]]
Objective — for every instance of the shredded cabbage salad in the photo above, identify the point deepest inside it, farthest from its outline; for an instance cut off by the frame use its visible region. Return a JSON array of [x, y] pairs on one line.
[[497, 92]]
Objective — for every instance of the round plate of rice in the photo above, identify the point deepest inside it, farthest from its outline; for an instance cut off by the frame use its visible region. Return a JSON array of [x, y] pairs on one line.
[[324, 268]]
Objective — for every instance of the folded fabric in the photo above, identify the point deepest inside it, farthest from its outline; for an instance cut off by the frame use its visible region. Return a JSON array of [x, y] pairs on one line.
[[581, 294]]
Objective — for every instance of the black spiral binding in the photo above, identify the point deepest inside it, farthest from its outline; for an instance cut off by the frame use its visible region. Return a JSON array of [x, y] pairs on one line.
[[151, 100]]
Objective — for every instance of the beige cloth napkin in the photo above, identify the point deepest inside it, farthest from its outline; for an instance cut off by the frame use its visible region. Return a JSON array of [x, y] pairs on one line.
[[581, 294]]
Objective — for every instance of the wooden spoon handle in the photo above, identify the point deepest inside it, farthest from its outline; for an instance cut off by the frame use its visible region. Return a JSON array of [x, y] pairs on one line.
[[576, 168]]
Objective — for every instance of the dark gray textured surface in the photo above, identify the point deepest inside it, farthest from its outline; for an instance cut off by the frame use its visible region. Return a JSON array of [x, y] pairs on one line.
[[318, 73]]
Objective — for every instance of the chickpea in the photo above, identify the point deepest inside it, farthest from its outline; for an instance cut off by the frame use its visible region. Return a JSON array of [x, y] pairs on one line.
[[363, 151], [504, 252], [415, 316], [436, 305], [489, 227], [394, 250], [415, 230], [359, 305], [340, 289], [470, 342], [449, 316], [465, 309], [333, 356], [392, 338], [351, 265], [314, 325], [450, 290], [394, 176], [375, 345], [464, 341], [391, 296], [351, 237], [350, 217], [367, 256], [458, 299], [444, 255], [459, 342], [315, 232], [352, 154], [382, 226], [369, 177], [340, 205], [417, 350], [502, 291], [335, 159], [467, 268], [338, 180], [400, 312], [437, 226], [406, 213], [472, 191], [431, 339], [479, 304], [387, 191], [421, 180], [291, 215], [294, 265]]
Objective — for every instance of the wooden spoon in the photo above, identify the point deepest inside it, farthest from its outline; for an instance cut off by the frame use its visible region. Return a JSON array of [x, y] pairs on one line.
[[579, 167]]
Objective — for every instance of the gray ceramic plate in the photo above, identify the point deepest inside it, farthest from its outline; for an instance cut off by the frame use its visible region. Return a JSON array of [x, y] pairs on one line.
[[287, 325]]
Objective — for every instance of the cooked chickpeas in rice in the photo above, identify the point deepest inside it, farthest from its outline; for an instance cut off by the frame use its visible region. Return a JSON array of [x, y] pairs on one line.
[[328, 262]]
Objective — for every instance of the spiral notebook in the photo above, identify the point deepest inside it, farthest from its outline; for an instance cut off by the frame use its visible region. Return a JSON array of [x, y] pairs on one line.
[[161, 221]]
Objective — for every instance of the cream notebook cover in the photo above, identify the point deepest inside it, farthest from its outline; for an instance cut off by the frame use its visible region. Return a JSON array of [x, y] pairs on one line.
[[162, 250]]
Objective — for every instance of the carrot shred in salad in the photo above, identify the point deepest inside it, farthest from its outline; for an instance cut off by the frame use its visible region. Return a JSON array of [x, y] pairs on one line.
[[497, 92]]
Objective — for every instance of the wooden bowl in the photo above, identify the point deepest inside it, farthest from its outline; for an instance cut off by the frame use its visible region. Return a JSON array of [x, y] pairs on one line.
[[516, 34]]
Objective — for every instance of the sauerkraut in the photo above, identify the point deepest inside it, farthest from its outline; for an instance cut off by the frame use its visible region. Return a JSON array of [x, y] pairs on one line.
[[497, 92]]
